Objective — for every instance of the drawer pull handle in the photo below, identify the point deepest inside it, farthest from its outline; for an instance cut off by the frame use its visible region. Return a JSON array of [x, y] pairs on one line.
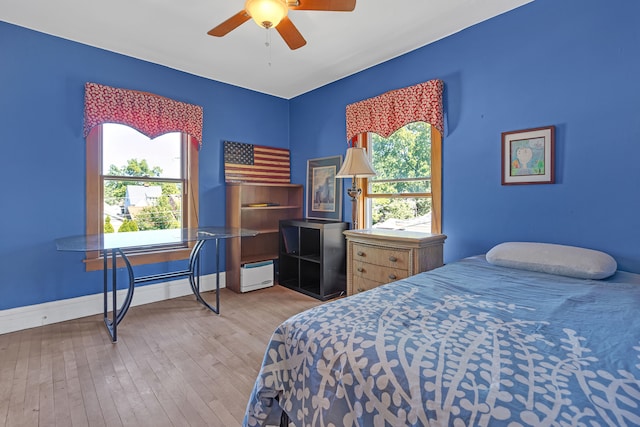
[[360, 253], [392, 276], [393, 259], [360, 269]]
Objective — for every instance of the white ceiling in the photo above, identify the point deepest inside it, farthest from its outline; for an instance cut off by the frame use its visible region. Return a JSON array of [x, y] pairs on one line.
[[174, 33]]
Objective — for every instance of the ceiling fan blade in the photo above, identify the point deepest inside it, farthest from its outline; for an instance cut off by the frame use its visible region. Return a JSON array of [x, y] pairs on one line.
[[329, 5], [290, 34], [230, 24]]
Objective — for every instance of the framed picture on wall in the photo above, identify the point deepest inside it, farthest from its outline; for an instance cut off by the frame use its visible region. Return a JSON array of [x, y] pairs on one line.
[[528, 156], [324, 190]]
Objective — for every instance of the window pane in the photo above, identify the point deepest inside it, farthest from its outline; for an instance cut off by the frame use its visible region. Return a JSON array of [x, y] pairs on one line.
[[405, 154], [401, 187], [125, 151], [401, 213], [133, 206], [144, 197], [403, 166]]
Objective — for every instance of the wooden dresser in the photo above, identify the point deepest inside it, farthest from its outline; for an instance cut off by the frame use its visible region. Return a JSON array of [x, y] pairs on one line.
[[376, 257]]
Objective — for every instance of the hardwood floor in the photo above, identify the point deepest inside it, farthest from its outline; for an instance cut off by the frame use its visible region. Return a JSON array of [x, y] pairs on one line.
[[175, 364]]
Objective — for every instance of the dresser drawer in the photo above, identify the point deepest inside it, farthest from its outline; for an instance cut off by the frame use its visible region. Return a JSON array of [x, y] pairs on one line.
[[361, 284], [394, 258], [378, 273]]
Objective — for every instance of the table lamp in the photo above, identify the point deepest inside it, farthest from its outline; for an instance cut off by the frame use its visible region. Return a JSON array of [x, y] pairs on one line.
[[356, 165]]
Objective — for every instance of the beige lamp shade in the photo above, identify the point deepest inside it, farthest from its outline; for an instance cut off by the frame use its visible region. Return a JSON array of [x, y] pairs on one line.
[[266, 13], [356, 164]]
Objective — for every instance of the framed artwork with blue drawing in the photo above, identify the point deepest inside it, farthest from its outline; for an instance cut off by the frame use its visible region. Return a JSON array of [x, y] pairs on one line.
[[324, 190], [528, 156]]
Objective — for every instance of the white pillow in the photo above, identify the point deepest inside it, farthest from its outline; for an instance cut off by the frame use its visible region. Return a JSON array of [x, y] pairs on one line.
[[554, 259]]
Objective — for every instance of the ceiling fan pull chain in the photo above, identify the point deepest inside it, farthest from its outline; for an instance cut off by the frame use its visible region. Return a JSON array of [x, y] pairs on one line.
[[268, 45]]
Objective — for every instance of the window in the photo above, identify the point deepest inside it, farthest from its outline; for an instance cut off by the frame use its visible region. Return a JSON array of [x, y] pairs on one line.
[[151, 201], [405, 193], [407, 158], [136, 183]]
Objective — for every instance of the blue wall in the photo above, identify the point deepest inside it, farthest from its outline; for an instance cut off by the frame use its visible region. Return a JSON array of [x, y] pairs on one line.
[[573, 64], [43, 156]]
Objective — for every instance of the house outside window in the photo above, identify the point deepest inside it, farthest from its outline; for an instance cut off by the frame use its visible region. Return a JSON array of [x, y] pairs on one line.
[[405, 193]]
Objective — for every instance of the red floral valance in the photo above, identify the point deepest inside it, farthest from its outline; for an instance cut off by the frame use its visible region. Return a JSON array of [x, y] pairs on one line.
[[150, 114], [390, 111]]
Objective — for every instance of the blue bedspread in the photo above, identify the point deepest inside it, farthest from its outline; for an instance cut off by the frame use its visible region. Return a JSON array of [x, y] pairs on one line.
[[466, 344]]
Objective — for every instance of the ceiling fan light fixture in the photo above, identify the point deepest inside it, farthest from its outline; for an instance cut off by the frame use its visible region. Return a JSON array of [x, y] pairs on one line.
[[266, 13]]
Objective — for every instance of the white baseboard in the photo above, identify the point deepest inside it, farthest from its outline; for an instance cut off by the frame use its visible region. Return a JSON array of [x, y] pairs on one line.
[[16, 319]]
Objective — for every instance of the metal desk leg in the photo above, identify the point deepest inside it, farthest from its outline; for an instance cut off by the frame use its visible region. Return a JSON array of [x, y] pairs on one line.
[[194, 280], [194, 277], [118, 314], [218, 275]]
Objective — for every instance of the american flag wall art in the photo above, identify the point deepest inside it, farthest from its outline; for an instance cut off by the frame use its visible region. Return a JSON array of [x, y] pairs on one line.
[[256, 163]]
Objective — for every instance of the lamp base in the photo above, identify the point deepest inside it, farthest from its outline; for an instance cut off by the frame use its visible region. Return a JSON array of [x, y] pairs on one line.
[[354, 192]]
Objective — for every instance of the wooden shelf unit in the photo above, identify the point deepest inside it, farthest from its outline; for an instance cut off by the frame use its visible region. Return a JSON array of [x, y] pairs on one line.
[[284, 201]]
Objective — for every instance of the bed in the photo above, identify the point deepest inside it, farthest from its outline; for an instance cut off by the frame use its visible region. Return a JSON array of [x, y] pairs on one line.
[[470, 343]]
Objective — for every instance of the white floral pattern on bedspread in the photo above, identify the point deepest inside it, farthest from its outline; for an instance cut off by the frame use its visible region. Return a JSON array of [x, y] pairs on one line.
[[466, 344]]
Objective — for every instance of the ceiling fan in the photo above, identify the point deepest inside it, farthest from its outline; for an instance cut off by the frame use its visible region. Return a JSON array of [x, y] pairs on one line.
[[273, 13]]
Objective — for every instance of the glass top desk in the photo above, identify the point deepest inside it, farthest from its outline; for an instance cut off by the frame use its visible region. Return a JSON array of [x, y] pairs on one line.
[[114, 244]]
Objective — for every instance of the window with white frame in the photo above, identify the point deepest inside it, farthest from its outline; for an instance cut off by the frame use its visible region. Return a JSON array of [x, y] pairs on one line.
[[405, 193], [137, 183], [142, 180], [141, 167]]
